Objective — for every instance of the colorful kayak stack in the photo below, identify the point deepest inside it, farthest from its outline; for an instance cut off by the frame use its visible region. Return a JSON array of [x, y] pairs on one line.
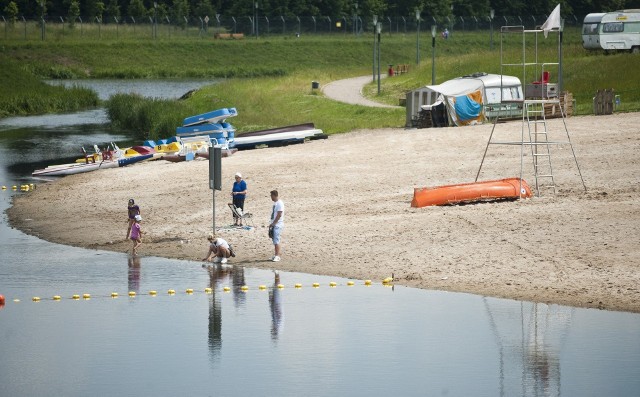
[[212, 124]]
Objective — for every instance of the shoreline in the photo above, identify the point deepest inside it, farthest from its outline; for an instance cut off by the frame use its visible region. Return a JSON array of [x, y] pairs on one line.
[[348, 212]]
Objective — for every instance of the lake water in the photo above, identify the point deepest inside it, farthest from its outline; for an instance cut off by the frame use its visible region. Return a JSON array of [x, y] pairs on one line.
[[345, 340]]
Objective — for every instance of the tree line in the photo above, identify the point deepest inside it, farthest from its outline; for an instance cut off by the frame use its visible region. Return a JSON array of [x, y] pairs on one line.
[[177, 10]]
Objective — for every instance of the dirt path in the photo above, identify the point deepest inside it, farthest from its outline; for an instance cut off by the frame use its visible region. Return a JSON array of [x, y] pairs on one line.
[[350, 91]]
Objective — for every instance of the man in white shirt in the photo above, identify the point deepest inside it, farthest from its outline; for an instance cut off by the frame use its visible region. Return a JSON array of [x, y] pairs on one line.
[[277, 224]]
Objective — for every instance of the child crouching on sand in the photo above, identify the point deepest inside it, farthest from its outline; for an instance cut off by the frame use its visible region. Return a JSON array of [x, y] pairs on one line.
[[136, 234]]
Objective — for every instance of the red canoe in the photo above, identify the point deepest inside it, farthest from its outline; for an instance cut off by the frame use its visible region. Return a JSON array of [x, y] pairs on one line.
[[470, 192]]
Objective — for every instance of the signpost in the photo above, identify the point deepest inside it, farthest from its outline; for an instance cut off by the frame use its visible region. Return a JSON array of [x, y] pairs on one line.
[[215, 176]]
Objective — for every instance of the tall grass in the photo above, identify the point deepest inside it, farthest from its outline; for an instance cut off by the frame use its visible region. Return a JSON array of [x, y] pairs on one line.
[[23, 94]]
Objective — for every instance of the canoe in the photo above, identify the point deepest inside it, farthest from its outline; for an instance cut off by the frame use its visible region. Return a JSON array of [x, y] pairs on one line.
[[77, 168], [510, 188], [74, 168], [214, 116], [275, 138], [134, 159], [288, 128]]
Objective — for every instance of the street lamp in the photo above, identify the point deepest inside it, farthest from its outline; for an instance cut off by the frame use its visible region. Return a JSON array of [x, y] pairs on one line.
[[256, 17], [560, 79], [155, 23], [433, 54], [355, 20], [418, 37], [379, 29], [491, 15], [373, 68]]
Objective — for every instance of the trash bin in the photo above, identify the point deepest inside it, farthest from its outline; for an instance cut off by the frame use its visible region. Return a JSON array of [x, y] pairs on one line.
[[315, 85]]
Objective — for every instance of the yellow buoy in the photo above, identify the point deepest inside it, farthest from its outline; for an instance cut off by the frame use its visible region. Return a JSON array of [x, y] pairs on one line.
[[153, 292], [244, 288], [226, 289], [367, 282], [208, 290], [56, 297], [75, 297], [316, 285], [86, 296], [332, 284], [35, 299], [262, 287], [4, 188], [350, 283], [189, 291], [387, 280], [132, 293], [114, 294], [298, 285], [171, 292], [14, 187], [280, 286]]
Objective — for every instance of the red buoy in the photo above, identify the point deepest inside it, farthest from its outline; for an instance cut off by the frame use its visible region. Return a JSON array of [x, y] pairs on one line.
[[1, 300]]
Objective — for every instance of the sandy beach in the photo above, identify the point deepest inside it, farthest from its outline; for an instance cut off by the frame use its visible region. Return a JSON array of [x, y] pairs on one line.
[[348, 211]]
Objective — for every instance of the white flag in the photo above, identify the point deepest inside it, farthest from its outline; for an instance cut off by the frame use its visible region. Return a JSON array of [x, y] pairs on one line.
[[552, 22]]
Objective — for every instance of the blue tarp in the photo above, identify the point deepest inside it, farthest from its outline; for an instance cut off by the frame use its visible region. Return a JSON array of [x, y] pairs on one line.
[[466, 108]]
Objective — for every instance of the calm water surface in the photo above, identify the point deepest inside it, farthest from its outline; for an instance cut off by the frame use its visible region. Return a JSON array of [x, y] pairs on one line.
[[348, 340]]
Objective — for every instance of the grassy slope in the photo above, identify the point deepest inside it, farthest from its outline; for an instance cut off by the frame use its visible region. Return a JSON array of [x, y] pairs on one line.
[[278, 72]]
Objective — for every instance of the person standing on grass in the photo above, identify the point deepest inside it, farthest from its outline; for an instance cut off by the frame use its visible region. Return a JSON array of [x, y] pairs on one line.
[[133, 210], [239, 192], [277, 224], [136, 234]]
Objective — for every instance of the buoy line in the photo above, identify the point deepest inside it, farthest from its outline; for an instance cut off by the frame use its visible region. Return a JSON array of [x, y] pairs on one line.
[[23, 188], [388, 282]]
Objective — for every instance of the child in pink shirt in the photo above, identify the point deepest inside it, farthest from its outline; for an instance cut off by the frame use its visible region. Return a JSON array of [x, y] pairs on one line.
[[136, 234]]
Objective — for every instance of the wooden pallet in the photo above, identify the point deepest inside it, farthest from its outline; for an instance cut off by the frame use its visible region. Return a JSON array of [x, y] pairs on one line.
[[552, 110]]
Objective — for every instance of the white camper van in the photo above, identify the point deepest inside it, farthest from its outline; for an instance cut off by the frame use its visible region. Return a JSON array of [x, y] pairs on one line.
[[591, 31], [617, 31]]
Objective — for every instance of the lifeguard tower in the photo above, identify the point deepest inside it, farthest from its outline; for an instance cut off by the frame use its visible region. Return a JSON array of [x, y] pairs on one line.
[[543, 68]]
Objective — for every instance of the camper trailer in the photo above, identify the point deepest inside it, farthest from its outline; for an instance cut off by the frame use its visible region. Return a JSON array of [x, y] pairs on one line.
[[616, 31], [591, 31], [467, 100]]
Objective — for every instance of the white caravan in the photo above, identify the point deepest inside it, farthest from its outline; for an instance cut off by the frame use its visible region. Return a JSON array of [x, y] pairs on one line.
[[591, 31], [617, 31]]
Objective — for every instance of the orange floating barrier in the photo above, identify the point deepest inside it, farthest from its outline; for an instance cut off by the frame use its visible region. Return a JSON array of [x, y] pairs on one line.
[[510, 188]]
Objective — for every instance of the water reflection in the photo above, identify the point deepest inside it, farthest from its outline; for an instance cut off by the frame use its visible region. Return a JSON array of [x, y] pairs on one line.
[[218, 275], [529, 337], [133, 275], [275, 304]]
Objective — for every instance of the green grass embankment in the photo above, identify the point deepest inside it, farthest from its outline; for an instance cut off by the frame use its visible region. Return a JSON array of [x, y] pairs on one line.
[[23, 93], [269, 79]]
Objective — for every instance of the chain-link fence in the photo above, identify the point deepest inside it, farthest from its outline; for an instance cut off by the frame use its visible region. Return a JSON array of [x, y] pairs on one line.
[[59, 28]]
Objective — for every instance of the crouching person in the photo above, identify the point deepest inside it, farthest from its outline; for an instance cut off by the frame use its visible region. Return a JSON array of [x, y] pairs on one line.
[[219, 250]]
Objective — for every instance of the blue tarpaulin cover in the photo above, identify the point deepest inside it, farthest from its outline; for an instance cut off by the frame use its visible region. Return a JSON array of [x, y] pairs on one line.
[[466, 108]]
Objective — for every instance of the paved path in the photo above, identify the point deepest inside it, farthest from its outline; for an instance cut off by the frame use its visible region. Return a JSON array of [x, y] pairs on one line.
[[350, 91]]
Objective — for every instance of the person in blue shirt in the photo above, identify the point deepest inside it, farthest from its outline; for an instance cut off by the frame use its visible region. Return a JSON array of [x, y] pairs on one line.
[[239, 192]]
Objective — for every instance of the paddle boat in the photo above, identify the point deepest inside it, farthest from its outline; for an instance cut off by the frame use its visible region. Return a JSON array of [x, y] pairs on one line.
[[509, 189], [212, 117]]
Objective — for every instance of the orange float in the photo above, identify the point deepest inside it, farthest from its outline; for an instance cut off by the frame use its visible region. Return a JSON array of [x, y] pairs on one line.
[[510, 188]]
